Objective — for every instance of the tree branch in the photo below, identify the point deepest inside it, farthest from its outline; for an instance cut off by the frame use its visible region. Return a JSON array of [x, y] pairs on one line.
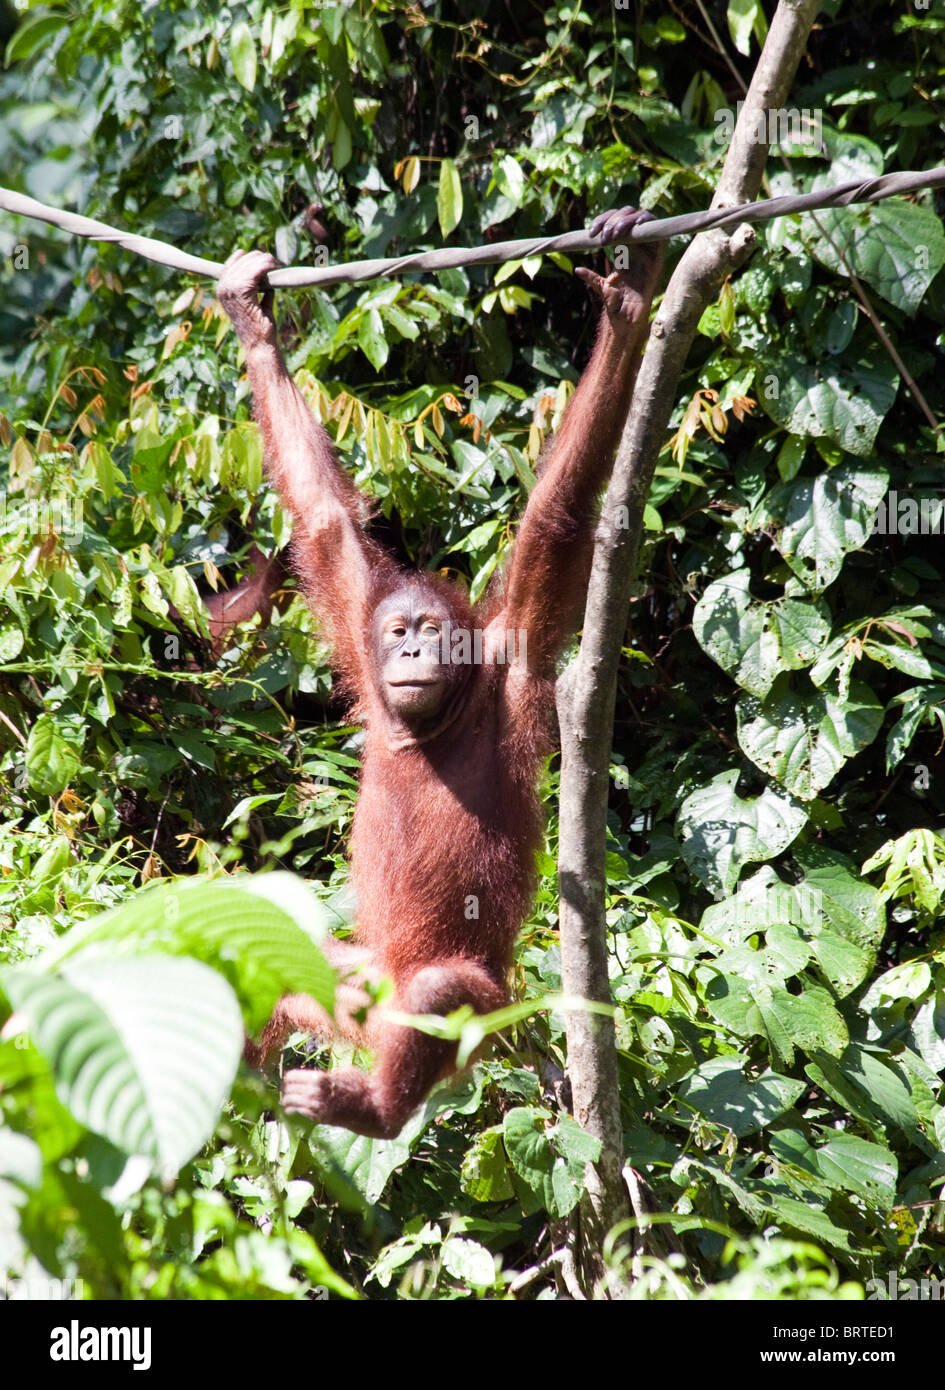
[[586, 698]]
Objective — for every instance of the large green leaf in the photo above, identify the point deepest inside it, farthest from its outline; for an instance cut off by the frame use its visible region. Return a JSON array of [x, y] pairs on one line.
[[143, 1049], [843, 963], [864, 1084], [853, 908], [721, 831], [808, 1020], [856, 1165], [32, 35], [485, 1172], [833, 399], [761, 899], [803, 739], [798, 923], [51, 761], [812, 1221], [755, 1007], [879, 243], [368, 1164], [818, 521], [259, 931], [551, 1161], [754, 640], [721, 1092]]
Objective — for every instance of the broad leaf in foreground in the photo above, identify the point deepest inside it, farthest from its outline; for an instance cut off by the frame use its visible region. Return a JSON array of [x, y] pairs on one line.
[[143, 1049]]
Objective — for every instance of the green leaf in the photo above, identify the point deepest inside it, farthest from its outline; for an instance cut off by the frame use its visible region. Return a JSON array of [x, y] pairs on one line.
[[284, 31], [803, 740], [510, 178], [754, 1002], [879, 244], [869, 1088], [51, 1125], [485, 1175], [927, 1031], [721, 831], [183, 593], [671, 30], [32, 35], [720, 1091], [786, 951], [844, 964], [341, 147], [908, 981], [821, 520], [551, 1162], [856, 1165], [449, 197], [743, 16], [835, 399], [791, 456], [853, 908], [576, 1149], [731, 1002], [11, 641], [808, 1020], [243, 55], [258, 931], [368, 1164], [468, 1261], [143, 1050], [810, 1220], [529, 1148], [829, 1076], [885, 1088], [51, 762], [53, 861], [371, 338], [196, 749], [406, 326], [822, 916], [20, 1158], [755, 640], [761, 899]]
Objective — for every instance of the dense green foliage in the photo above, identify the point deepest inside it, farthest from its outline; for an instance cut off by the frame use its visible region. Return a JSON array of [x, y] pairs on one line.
[[777, 871]]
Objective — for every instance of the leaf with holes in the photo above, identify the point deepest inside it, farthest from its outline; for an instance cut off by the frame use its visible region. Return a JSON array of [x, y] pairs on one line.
[[858, 1166], [820, 520], [838, 399], [803, 739], [721, 1092], [721, 831], [754, 641]]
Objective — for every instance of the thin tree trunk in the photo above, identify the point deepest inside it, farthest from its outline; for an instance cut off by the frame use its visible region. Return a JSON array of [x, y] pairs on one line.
[[587, 693]]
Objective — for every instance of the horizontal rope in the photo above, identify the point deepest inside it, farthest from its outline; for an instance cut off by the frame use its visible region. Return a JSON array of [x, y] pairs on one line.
[[842, 195]]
